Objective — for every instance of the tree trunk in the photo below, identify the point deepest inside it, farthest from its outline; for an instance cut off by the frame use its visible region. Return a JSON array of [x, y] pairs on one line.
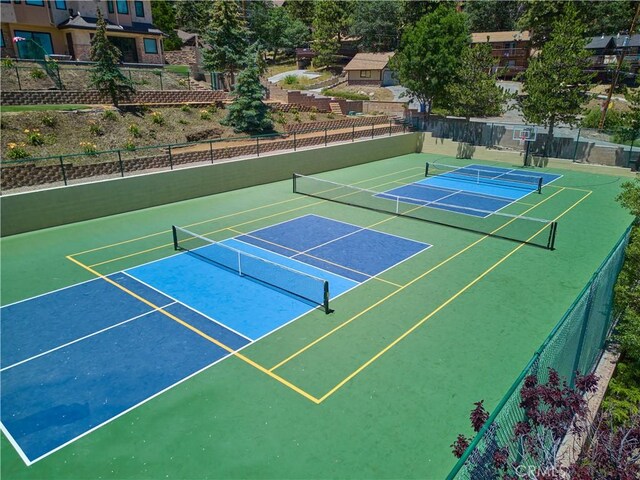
[[547, 144], [275, 54]]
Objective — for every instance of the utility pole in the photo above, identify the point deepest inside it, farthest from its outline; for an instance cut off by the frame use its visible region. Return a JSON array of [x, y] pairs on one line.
[[614, 81]]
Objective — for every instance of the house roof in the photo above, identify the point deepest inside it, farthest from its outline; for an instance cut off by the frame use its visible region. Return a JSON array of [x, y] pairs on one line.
[[90, 23], [369, 61], [186, 36], [613, 41], [631, 41], [511, 36], [600, 42]]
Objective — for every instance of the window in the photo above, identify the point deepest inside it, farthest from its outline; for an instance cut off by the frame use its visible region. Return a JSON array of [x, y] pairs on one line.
[[61, 4], [5, 1], [35, 3], [365, 73], [150, 45], [123, 6], [139, 8], [1, 40], [36, 44], [110, 6]]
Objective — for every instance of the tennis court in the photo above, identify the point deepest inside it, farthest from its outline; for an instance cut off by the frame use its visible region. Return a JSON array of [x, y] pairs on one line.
[[340, 328]]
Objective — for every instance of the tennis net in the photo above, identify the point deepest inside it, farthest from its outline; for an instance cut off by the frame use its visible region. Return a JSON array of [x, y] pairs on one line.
[[534, 231], [302, 285], [509, 178]]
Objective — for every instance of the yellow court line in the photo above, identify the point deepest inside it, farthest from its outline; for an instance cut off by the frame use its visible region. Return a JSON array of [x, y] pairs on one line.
[[199, 332], [451, 299], [115, 259], [570, 188], [324, 260], [215, 219], [384, 299]]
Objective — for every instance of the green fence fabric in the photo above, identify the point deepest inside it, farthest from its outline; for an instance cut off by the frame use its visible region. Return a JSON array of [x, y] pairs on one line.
[[575, 344]]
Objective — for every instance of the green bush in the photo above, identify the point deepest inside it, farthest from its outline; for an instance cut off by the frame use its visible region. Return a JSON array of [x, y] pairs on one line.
[[17, 151], [96, 129], [7, 63], [37, 74], [614, 119], [185, 108], [129, 145], [49, 120], [157, 118], [34, 137], [290, 80], [205, 115], [134, 130], [110, 115]]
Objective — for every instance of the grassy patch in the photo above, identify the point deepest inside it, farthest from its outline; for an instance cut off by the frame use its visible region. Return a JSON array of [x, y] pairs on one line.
[[180, 69], [284, 66], [360, 92], [348, 95], [42, 108]]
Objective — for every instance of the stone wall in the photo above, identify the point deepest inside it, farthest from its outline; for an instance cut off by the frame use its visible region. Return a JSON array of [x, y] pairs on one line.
[[30, 174], [40, 97]]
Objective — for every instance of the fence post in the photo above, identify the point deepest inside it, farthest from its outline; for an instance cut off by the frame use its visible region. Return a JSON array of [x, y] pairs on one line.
[[325, 136], [161, 87], [389, 127], [372, 126], [170, 158], [18, 77], [257, 146], [575, 150], [211, 150], [630, 151], [353, 132], [585, 321], [121, 164], [64, 174], [294, 141], [130, 79], [188, 82]]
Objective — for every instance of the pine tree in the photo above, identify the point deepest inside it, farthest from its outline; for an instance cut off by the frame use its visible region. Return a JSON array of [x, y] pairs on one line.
[[228, 37], [248, 113], [475, 92], [331, 19], [557, 80], [164, 17], [106, 77], [376, 24]]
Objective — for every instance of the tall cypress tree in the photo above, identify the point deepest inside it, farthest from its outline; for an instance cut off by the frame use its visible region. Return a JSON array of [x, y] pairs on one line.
[[228, 37], [105, 76]]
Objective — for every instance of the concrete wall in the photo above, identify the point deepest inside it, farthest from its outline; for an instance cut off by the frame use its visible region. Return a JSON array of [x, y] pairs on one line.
[[24, 212]]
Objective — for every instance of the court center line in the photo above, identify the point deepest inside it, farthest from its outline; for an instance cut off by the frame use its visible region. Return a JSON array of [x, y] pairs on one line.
[[411, 282], [233, 352], [443, 305], [84, 337], [226, 228], [215, 219]]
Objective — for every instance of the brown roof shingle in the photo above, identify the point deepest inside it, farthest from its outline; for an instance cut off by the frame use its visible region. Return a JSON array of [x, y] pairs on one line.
[[369, 61]]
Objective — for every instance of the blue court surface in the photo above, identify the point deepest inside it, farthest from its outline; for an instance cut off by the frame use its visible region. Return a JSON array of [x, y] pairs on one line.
[[75, 359], [462, 192]]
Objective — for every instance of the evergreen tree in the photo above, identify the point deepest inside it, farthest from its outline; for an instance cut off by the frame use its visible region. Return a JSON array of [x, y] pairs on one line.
[[302, 10], [105, 75], [248, 113], [376, 23], [556, 81], [476, 93], [331, 20], [164, 17], [275, 29], [228, 37], [493, 15], [192, 17], [429, 55], [411, 11]]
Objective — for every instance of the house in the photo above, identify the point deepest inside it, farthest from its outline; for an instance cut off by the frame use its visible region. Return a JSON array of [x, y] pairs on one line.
[[605, 51], [511, 50], [370, 69], [64, 29]]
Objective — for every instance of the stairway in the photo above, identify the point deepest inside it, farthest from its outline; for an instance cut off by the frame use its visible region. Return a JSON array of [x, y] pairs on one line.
[[335, 108]]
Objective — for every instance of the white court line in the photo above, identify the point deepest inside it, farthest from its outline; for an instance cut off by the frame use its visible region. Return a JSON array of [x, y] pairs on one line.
[[52, 291], [175, 300], [85, 337]]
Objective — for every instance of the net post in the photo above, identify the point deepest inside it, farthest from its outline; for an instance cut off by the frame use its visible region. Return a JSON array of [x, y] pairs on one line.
[[325, 302], [175, 237], [426, 170], [295, 176], [540, 185], [552, 236]]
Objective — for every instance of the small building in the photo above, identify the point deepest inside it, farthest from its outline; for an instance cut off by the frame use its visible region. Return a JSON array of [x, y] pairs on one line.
[[370, 69], [511, 50], [64, 28]]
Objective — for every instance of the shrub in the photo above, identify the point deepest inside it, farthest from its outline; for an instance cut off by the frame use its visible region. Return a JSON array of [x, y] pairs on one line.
[[185, 108], [314, 109], [110, 115], [96, 129], [331, 115], [34, 137], [290, 80], [89, 148], [37, 74], [614, 119], [294, 110], [7, 63], [296, 118], [157, 118], [134, 130], [129, 144], [212, 109], [205, 115], [182, 121], [49, 120], [312, 116], [17, 151]]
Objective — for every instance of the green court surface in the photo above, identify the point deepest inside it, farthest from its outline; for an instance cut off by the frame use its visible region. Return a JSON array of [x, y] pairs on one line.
[[378, 389]]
